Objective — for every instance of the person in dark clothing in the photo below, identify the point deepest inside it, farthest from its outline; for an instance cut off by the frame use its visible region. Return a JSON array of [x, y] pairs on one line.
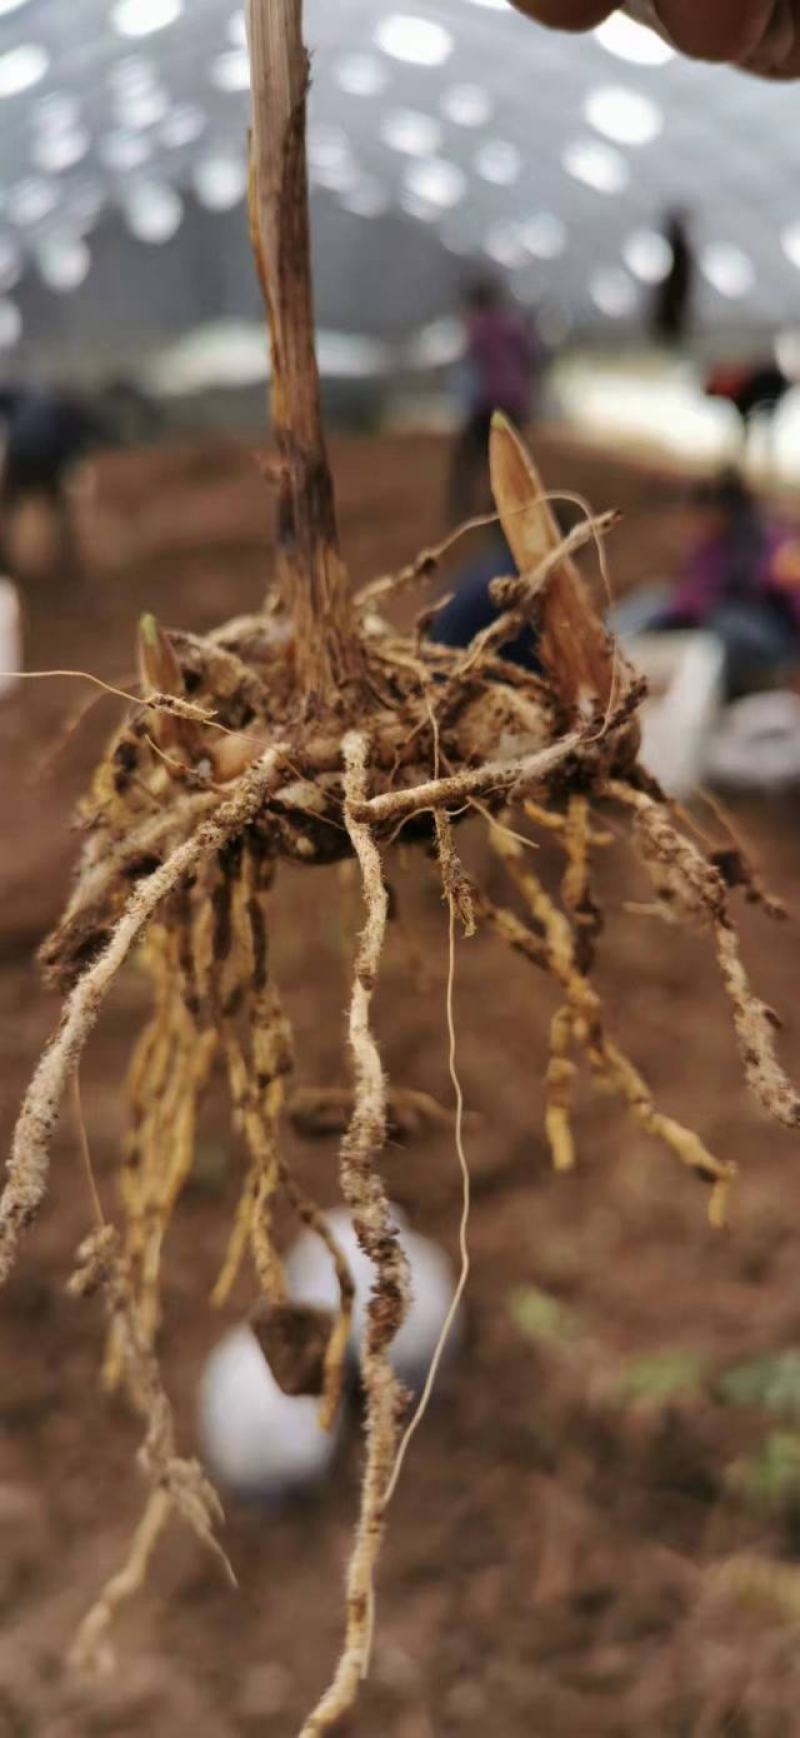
[[503, 356], [672, 303], [756, 391], [45, 433], [471, 607]]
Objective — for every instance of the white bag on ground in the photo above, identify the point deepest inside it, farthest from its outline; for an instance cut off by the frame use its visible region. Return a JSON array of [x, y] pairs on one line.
[[256, 1440], [757, 743], [685, 674], [10, 636], [310, 1279]]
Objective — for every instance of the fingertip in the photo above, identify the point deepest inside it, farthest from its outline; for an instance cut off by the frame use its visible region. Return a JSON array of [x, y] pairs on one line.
[[725, 30], [566, 14]]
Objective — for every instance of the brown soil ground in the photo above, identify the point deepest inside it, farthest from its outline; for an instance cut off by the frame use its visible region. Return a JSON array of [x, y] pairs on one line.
[[555, 1560]]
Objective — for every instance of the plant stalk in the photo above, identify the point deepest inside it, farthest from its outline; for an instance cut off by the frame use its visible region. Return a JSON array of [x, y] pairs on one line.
[[311, 575]]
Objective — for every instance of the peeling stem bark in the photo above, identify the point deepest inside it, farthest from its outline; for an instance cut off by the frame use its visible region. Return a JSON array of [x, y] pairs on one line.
[[311, 573]]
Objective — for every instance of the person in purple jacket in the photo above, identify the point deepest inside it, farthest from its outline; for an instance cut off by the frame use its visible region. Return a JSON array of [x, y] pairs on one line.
[[737, 582], [502, 360]]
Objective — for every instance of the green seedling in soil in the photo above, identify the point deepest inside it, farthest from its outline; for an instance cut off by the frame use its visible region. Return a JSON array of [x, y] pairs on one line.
[[770, 1477], [539, 1316], [771, 1382], [662, 1378]]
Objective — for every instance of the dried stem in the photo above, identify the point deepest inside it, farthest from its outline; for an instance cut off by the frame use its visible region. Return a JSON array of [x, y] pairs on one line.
[[311, 574]]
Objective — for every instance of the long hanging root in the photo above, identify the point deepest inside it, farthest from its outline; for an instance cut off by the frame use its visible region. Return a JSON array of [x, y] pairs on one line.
[[90, 1652], [177, 1485], [166, 1082], [561, 1070], [576, 886], [365, 1196], [611, 1065], [446, 867], [456, 887], [559, 1079], [257, 1115], [28, 1165], [695, 889], [754, 1024], [173, 1141], [581, 1018], [258, 1062]]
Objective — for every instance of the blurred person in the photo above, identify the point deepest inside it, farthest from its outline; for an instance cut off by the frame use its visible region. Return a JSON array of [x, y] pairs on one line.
[[756, 391], [503, 357], [471, 607], [45, 433], [672, 301], [740, 580], [761, 35]]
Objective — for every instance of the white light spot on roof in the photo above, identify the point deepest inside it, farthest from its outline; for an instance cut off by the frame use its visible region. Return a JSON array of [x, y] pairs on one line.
[[220, 180], [230, 71], [633, 42], [467, 105], [410, 132], [142, 17], [499, 161], [57, 151], [367, 198], [64, 262], [504, 245], [436, 181], [613, 292], [182, 126], [124, 151], [10, 324], [360, 75], [625, 116], [648, 255], [31, 200], [598, 166], [728, 269], [21, 68], [153, 211], [544, 235], [419, 41], [790, 242]]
